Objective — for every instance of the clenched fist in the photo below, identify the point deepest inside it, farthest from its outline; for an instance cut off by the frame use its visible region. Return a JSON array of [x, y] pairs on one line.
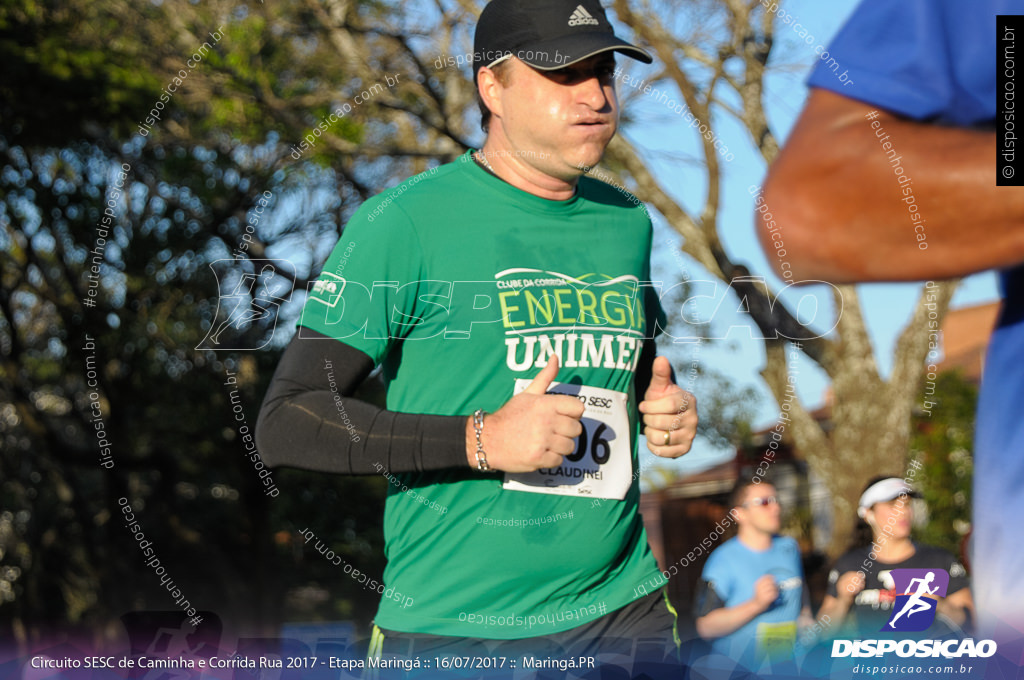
[[533, 429], [766, 591], [670, 413]]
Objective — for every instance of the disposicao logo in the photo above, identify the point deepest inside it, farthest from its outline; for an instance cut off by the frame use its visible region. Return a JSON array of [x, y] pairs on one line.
[[917, 596]]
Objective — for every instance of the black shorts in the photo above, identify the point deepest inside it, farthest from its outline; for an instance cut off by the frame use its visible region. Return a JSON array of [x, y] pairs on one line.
[[637, 639]]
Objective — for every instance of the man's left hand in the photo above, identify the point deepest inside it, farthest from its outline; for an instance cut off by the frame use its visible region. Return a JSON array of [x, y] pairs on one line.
[[670, 413]]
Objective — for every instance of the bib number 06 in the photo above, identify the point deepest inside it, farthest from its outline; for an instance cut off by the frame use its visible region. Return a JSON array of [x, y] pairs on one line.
[[599, 448]]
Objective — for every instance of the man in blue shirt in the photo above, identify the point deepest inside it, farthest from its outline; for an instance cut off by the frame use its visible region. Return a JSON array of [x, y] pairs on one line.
[[916, 128], [751, 593]]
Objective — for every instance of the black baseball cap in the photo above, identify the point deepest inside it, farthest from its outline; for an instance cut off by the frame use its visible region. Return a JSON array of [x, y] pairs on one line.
[[546, 35]]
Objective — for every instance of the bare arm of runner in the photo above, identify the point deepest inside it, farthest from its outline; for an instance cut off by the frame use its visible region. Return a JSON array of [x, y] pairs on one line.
[[844, 215]]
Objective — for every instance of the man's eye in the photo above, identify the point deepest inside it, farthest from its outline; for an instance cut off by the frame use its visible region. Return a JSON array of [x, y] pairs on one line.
[[570, 76], [565, 74]]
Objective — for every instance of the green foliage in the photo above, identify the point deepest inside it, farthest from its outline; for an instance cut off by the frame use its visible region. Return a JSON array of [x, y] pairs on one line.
[[173, 435], [61, 77], [943, 442]]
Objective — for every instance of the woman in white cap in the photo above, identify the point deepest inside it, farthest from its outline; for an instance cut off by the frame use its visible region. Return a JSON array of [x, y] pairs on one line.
[[861, 590]]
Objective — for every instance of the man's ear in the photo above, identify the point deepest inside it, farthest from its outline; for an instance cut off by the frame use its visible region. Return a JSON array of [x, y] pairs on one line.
[[490, 88]]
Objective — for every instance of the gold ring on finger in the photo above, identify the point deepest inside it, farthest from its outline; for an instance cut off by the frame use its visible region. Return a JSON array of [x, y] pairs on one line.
[[668, 436]]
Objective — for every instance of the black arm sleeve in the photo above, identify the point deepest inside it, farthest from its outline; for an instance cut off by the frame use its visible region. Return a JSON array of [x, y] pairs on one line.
[[310, 420], [706, 600]]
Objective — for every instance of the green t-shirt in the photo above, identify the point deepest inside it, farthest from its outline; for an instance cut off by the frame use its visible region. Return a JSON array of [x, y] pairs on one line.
[[460, 284]]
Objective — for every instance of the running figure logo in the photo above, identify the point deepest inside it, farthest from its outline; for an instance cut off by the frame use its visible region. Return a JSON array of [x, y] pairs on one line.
[[249, 300], [917, 594]]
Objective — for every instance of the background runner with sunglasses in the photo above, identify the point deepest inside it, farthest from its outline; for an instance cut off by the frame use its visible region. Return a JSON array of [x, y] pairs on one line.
[[751, 597]]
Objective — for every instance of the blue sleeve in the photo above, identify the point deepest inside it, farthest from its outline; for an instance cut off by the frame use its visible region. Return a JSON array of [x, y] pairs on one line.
[[925, 59]]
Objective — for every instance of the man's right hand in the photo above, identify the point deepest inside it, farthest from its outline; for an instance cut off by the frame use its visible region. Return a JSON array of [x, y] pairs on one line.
[[766, 591], [533, 429]]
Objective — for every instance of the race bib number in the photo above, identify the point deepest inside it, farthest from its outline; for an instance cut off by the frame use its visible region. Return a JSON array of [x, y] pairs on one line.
[[602, 464], [775, 641]]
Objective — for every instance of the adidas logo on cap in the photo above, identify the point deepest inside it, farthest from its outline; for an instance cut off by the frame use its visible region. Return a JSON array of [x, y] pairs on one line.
[[581, 17]]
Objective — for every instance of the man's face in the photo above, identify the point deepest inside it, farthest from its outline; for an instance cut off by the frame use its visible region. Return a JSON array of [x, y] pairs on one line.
[[754, 514], [559, 121]]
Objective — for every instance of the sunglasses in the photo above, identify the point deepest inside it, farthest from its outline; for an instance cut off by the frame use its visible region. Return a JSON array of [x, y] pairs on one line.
[[768, 500]]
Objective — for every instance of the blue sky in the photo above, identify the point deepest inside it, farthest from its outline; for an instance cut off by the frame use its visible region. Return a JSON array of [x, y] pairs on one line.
[[886, 306]]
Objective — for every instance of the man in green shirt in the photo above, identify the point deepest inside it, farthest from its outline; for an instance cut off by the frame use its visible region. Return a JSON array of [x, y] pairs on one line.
[[507, 298]]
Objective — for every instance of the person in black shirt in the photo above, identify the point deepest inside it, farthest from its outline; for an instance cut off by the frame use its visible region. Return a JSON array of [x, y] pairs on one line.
[[861, 591]]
